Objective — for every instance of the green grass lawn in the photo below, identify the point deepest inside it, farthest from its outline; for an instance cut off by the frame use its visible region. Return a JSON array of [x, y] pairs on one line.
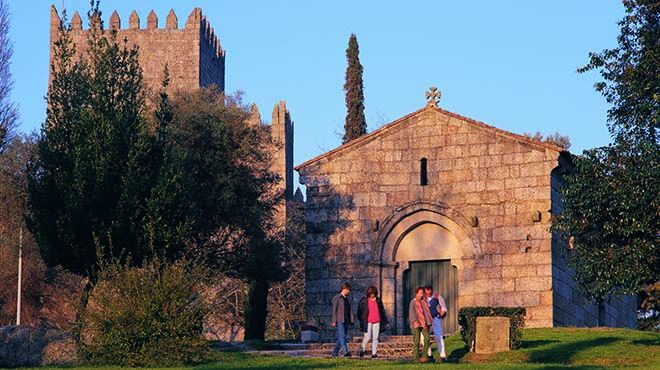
[[549, 349]]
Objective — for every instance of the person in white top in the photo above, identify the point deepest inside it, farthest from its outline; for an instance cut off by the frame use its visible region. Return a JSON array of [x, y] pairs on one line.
[[438, 309]]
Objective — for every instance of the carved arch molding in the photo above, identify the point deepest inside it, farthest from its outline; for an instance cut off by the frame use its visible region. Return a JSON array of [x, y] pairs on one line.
[[406, 218]]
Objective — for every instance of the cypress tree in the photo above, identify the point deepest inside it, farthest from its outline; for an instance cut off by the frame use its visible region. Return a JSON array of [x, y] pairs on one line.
[[355, 125]]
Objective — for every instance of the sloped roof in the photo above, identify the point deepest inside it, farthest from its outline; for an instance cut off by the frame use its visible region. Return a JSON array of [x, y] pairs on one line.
[[389, 128]]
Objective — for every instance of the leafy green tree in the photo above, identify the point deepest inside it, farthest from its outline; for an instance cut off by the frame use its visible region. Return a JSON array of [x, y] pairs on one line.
[[225, 175], [91, 145], [355, 125], [610, 199]]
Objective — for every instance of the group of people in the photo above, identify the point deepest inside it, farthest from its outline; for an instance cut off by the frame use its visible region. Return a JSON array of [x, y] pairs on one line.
[[425, 314]]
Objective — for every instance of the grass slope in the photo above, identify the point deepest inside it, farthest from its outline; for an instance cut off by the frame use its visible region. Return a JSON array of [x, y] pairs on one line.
[[548, 349]]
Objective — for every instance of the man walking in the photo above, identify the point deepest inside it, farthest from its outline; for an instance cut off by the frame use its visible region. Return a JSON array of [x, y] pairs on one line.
[[419, 317], [341, 318], [438, 309]]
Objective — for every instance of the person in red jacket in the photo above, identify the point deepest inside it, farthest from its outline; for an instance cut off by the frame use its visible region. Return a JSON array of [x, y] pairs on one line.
[[371, 314]]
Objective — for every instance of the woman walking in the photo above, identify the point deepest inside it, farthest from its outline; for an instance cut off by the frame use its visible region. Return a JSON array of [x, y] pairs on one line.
[[419, 316], [372, 319]]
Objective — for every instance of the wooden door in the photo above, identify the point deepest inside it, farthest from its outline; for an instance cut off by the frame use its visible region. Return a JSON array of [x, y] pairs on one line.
[[442, 276]]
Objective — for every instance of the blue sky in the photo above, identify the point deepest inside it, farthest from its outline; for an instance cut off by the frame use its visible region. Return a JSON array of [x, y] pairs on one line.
[[508, 63]]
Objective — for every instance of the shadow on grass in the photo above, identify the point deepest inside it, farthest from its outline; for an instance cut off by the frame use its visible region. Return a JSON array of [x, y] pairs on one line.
[[536, 343], [647, 342], [456, 355], [236, 361], [564, 353], [563, 367]]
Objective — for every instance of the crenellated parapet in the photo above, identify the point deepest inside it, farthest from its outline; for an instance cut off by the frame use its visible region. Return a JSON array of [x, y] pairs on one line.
[[193, 52]]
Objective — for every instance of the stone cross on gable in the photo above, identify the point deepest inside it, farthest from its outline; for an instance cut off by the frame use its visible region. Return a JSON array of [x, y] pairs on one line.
[[433, 96]]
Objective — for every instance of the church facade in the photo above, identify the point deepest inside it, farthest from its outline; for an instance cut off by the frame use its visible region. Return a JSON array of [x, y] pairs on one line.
[[437, 198]]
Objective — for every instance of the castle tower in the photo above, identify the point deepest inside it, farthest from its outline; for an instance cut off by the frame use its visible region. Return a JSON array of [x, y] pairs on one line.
[[282, 133], [192, 53]]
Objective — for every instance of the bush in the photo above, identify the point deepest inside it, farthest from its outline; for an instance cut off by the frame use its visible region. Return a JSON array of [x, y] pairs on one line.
[[147, 316], [467, 319]]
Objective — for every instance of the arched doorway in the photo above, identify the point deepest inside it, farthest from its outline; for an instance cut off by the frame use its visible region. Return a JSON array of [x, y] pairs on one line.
[[422, 242], [428, 249]]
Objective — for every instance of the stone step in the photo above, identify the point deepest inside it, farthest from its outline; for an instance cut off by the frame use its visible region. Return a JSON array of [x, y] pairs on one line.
[[390, 338], [382, 355], [356, 346]]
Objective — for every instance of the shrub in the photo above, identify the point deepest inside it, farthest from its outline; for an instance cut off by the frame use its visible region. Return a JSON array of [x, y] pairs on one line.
[[147, 316], [467, 319]]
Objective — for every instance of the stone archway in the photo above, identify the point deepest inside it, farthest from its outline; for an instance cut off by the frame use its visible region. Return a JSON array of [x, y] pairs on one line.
[[441, 232]]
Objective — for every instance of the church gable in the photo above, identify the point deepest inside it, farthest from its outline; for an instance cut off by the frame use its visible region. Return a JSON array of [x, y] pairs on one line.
[[436, 128]]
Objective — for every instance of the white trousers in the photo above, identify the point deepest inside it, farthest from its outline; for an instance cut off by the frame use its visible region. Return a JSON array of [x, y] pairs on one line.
[[437, 331], [373, 330]]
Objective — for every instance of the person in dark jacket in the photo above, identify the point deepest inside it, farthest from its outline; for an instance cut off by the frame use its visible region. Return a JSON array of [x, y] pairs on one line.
[[371, 314], [341, 318]]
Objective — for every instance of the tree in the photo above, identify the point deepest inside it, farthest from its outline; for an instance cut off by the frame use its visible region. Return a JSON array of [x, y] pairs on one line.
[[82, 182], [8, 111], [556, 139], [225, 176], [355, 125], [610, 202]]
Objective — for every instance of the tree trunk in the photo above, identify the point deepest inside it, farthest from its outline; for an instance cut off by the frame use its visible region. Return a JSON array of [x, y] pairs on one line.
[[82, 307], [256, 309]]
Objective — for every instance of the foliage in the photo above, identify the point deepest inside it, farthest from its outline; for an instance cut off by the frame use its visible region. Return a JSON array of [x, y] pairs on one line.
[[223, 171], [145, 316], [355, 125], [610, 205], [467, 319], [223, 168], [557, 139], [649, 313], [8, 111], [82, 182], [610, 202]]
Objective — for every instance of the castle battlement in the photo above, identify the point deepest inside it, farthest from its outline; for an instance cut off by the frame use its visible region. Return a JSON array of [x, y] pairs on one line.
[[192, 53]]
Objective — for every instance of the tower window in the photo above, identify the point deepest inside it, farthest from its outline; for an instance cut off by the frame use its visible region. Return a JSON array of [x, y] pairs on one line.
[[423, 174]]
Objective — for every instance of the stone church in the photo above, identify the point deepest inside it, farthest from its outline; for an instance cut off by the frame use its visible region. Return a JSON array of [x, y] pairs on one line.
[[438, 198], [431, 198]]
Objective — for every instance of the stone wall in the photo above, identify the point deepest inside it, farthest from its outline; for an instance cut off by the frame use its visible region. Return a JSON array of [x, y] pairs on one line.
[[478, 175], [193, 53]]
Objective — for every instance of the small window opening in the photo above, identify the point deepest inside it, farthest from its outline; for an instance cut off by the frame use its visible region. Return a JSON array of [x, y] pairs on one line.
[[423, 174]]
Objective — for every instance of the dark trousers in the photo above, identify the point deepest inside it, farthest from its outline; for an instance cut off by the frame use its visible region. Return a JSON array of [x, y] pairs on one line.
[[416, 334], [341, 339]]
